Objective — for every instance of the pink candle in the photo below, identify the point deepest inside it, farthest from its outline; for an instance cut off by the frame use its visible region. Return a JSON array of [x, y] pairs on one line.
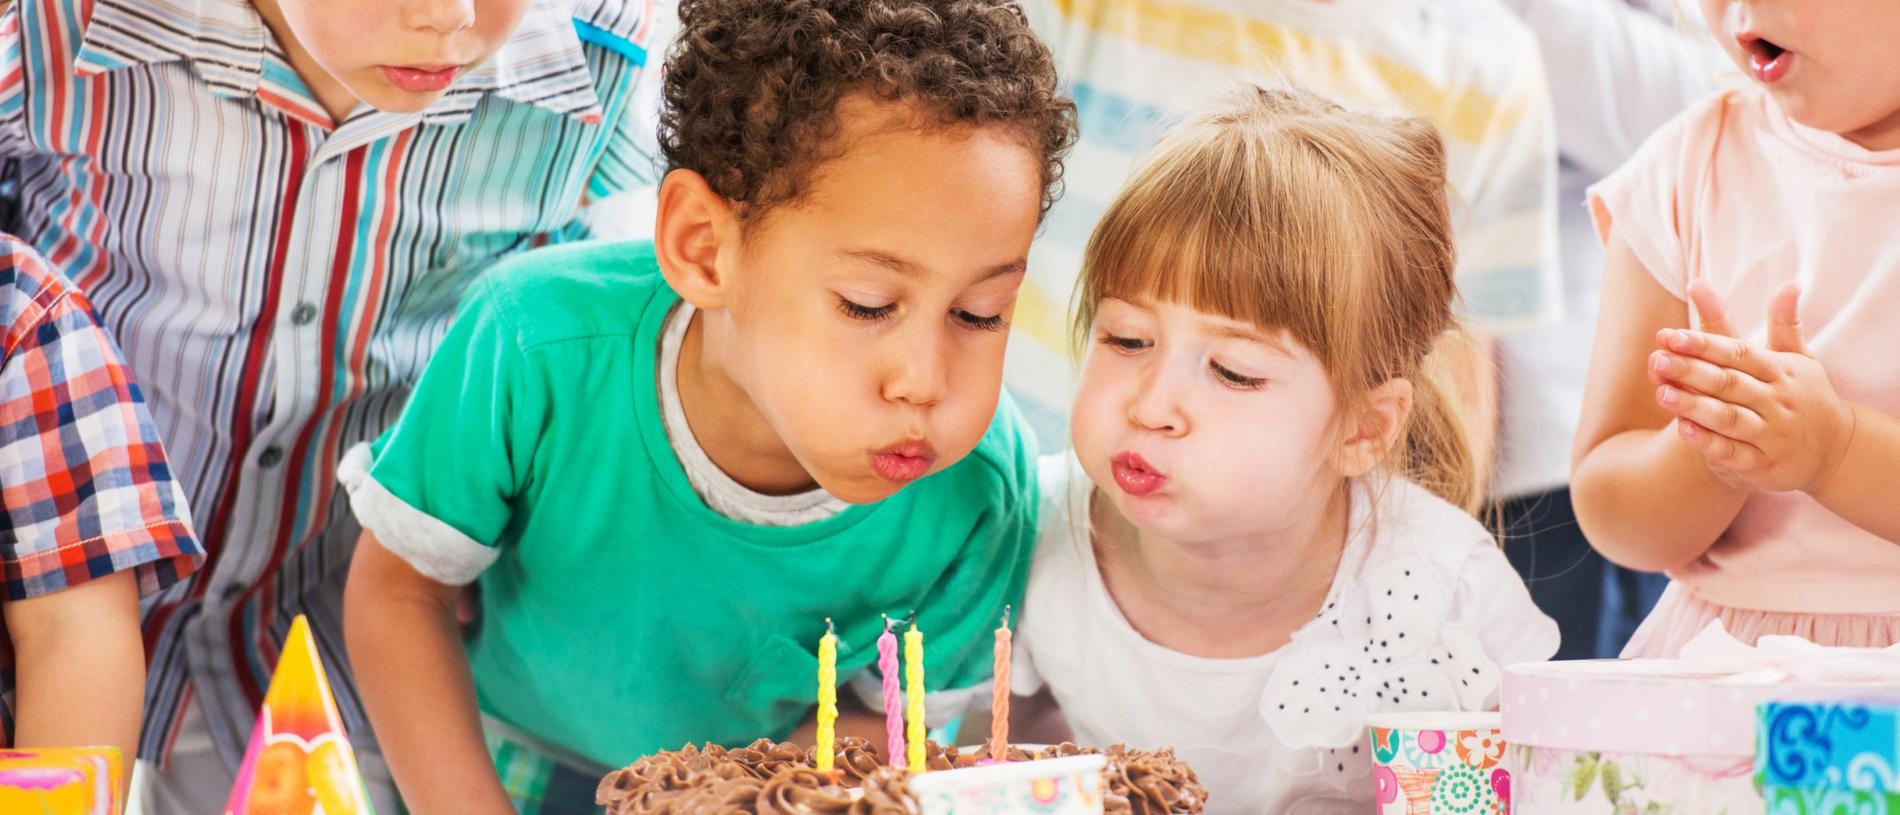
[[893, 700], [999, 697]]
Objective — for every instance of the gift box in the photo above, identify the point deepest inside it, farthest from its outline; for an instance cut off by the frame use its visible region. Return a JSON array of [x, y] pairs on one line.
[[1662, 737], [1827, 757], [62, 781]]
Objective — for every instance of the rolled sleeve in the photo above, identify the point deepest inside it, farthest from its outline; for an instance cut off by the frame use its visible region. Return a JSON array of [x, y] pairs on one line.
[[439, 487], [439, 551]]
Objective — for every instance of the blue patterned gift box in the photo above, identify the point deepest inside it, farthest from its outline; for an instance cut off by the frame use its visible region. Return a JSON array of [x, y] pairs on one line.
[[1828, 758]]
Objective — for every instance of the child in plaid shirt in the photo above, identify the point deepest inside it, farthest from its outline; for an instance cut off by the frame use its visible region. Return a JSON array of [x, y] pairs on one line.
[[92, 518]]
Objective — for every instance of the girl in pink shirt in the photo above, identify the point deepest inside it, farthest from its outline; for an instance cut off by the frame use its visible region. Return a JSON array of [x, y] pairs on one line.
[[1739, 429]]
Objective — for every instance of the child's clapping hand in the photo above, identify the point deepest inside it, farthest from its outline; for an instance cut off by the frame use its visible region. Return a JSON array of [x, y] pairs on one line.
[[1763, 417]]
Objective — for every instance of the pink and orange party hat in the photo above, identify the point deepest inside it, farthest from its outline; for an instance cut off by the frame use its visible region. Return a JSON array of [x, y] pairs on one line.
[[299, 761]]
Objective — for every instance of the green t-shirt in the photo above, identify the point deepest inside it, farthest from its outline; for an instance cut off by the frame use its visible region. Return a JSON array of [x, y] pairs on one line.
[[620, 615]]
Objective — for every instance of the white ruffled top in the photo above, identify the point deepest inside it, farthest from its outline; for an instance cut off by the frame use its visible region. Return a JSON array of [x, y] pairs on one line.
[[1422, 612]]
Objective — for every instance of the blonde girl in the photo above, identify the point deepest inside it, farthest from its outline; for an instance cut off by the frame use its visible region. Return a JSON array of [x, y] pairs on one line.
[[1262, 533]]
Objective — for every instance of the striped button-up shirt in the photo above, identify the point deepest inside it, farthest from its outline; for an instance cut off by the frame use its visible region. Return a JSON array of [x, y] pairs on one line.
[[278, 279]]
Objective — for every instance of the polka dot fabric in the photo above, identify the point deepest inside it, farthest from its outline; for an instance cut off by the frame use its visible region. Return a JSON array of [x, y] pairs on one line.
[[1398, 652]]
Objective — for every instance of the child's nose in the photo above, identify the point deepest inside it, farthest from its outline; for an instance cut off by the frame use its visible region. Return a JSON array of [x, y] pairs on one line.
[[443, 16], [917, 373], [1157, 406]]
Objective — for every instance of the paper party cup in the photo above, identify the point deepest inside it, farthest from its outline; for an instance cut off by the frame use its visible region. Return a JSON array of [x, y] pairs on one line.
[[1432, 763], [1054, 786]]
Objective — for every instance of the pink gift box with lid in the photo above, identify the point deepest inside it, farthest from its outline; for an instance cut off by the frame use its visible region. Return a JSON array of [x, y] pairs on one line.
[[1666, 736]]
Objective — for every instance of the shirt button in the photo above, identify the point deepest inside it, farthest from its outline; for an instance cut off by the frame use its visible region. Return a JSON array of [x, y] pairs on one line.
[[303, 314], [270, 456]]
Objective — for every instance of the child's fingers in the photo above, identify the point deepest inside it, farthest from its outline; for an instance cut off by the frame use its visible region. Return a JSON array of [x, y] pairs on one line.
[[1726, 352], [1711, 307], [1784, 319], [1726, 418], [1719, 450], [1702, 376]]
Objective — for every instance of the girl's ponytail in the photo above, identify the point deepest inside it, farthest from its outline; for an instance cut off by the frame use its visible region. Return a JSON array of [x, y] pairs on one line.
[[1435, 450]]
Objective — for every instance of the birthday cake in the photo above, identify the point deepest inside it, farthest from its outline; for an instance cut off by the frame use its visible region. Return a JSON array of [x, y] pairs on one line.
[[780, 778]]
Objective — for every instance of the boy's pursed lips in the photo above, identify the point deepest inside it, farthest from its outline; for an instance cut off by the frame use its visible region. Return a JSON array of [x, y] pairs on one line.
[[904, 462]]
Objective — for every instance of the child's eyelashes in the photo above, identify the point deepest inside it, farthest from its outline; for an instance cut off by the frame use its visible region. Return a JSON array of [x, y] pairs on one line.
[[877, 314], [1237, 380], [993, 322], [1227, 376], [867, 314]]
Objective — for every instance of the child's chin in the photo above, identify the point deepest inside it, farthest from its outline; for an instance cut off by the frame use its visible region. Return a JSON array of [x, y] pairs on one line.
[[396, 100], [1154, 514], [866, 488]]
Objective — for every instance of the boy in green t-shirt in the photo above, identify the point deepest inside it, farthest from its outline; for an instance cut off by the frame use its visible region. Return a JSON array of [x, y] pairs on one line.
[[667, 464]]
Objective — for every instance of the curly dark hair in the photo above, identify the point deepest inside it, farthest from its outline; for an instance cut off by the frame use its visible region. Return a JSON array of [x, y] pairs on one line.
[[752, 86]]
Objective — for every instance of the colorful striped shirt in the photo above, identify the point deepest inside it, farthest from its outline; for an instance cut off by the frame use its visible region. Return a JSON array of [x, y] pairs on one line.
[[85, 485], [1134, 66], [278, 279]]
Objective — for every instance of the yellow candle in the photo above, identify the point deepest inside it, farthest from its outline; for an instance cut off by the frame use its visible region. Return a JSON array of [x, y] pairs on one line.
[[827, 696], [914, 693]]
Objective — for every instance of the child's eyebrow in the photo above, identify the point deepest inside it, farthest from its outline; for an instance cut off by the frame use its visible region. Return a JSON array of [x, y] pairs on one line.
[[910, 269], [1010, 268], [1248, 334], [884, 259]]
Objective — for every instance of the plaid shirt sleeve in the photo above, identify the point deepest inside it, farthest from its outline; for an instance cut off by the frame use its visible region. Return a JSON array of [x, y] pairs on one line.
[[85, 483]]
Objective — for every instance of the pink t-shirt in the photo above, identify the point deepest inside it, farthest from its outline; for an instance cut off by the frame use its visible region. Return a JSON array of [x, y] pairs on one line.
[[1735, 192]]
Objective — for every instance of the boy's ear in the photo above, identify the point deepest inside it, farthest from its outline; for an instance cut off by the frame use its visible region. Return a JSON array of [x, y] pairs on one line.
[[1369, 436], [695, 235]]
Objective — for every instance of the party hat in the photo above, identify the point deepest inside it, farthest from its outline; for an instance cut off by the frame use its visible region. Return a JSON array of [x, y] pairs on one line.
[[299, 761]]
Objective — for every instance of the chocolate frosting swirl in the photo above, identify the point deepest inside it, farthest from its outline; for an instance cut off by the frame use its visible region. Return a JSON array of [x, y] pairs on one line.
[[801, 791], [886, 792], [857, 759], [778, 778], [939, 757]]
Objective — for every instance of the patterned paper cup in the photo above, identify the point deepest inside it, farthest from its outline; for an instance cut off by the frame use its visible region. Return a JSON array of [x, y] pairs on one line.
[[1055, 786], [1430, 763]]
